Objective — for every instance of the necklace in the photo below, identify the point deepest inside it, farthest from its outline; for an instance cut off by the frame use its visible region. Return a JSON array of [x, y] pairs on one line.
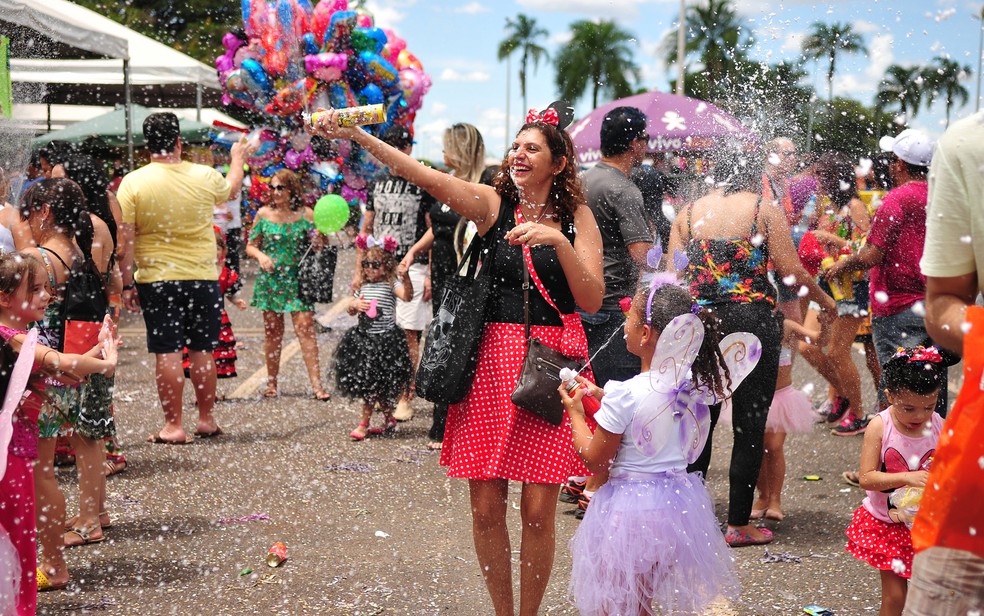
[[545, 212]]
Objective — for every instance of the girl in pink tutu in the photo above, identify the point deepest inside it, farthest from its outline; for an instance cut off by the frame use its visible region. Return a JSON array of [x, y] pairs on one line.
[[650, 540], [898, 447], [790, 413]]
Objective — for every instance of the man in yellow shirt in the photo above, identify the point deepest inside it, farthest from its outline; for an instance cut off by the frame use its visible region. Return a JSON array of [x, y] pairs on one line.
[[167, 233]]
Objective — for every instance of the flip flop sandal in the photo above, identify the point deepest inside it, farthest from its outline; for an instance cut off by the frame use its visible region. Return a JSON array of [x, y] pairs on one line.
[[157, 438], [45, 585], [355, 435], [217, 432], [739, 538], [85, 535]]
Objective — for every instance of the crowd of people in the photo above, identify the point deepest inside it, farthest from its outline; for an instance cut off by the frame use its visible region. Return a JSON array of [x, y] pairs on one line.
[[776, 253]]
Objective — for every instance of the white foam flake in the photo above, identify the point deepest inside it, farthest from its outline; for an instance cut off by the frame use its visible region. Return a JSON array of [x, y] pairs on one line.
[[881, 297]]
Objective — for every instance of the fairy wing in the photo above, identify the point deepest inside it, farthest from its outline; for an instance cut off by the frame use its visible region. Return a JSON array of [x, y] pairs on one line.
[[19, 375], [669, 374], [675, 352], [741, 352]]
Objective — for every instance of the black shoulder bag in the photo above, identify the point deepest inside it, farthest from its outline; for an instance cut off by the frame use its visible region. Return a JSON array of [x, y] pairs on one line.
[[539, 378], [450, 355]]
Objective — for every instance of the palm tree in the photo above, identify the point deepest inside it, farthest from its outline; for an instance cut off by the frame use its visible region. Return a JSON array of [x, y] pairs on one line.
[[599, 55], [523, 35], [944, 79], [715, 34], [902, 86], [827, 41]]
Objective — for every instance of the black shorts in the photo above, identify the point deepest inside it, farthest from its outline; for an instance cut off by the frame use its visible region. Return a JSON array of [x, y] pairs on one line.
[[181, 313]]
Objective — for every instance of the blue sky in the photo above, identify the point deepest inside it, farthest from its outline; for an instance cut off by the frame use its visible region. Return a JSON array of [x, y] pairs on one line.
[[456, 40]]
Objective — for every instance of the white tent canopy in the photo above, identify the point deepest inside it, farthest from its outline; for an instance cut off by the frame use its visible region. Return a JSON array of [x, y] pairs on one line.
[[159, 76], [76, 56]]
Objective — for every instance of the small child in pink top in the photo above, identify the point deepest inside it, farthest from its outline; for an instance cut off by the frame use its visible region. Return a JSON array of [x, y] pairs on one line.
[[23, 298], [898, 447]]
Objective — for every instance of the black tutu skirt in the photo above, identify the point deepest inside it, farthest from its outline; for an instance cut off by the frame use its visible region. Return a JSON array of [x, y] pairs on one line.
[[374, 367]]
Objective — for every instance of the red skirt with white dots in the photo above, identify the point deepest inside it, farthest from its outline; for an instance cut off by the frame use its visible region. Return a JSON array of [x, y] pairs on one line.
[[884, 546], [488, 437]]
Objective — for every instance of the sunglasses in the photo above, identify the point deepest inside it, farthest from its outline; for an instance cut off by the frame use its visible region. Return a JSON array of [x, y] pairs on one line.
[[278, 188], [371, 264]]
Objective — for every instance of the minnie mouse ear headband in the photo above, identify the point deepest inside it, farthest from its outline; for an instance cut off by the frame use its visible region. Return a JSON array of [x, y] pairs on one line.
[[928, 354], [365, 242], [558, 114]]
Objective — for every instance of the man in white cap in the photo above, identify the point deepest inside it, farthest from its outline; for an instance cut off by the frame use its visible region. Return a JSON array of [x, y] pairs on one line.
[[892, 251]]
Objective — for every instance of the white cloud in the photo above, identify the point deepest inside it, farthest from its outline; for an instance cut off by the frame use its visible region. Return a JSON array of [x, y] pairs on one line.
[[621, 10], [450, 74], [560, 38], [386, 13], [472, 8], [866, 27], [882, 55], [437, 107]]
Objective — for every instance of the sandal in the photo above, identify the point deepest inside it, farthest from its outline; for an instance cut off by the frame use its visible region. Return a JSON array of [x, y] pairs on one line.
[[270, 392], [757, 514], [322, 396], [358, 435], [85, 534], [105, 521], [114, 464], [740, 538], [435, 445], [44, 584], [389, 425], [774, 514]]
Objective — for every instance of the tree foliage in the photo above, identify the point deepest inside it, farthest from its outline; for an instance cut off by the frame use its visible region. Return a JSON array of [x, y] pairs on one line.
[[599, 58], [523, 34], [825, 41], [846, 125], [901, 89], [944, 82], [716, 36], [193, 27]]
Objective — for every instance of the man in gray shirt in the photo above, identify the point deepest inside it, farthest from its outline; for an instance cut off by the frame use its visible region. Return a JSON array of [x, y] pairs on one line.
[[618, 208]]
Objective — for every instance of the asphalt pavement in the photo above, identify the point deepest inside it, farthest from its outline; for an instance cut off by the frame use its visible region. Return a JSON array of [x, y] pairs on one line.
[[376, 527]]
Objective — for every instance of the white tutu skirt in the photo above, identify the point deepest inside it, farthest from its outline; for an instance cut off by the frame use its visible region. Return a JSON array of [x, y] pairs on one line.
[[791, 412], [650, 544]]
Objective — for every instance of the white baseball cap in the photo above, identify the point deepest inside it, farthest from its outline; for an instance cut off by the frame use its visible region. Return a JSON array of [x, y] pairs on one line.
[[911, 145]]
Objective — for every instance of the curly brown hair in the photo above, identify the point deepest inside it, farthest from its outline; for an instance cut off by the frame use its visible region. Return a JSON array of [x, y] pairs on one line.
[[566, 194], [289, 179]]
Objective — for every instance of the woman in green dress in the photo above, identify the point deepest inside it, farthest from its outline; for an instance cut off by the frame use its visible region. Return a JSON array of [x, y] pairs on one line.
[[280, 235]]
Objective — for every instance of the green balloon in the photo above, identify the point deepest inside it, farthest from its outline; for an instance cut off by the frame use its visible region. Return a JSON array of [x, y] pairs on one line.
[[331, 212]]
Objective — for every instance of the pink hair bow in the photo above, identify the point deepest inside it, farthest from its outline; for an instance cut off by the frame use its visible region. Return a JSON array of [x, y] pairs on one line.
[[547, 116], [364, 242]]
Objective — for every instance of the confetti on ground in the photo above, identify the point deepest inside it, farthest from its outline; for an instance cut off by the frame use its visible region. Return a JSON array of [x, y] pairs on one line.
[[245, 518], [350, 467], [784, 557]]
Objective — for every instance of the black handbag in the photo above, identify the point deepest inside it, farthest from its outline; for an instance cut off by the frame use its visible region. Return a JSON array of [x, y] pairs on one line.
[[450, 354], [316, 275], [539, 378]]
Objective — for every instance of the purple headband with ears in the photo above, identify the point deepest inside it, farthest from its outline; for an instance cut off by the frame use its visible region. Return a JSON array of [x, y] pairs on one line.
[[680, 262]]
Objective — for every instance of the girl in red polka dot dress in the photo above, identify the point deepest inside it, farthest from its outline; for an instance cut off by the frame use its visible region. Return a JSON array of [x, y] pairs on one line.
[[898, 447], [534, 212]]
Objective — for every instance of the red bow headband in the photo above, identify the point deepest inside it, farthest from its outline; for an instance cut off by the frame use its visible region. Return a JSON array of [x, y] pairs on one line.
[[547, 116], [928, 354]]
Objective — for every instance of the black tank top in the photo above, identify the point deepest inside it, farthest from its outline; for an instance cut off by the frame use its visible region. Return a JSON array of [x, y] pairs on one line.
[[507, 299]]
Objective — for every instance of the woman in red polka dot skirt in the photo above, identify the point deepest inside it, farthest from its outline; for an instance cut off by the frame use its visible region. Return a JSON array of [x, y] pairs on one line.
[[535, 211]]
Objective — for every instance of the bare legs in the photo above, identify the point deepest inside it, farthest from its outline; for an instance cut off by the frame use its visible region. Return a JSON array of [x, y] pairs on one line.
[[835, 365], [90, 455], [894, 590], [273, 328], [170, 385], [304, 330], [273, 338], [50, 514], [771, 477], [537, 508]]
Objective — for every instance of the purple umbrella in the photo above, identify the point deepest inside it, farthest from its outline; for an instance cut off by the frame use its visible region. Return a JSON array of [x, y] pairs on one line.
[[676, 124]]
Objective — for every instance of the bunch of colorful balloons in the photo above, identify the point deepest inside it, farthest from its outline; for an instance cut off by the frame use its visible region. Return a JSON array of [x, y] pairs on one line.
[[292, 56]]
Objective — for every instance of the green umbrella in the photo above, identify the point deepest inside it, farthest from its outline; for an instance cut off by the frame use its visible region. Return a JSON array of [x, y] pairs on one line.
[[109, 129]]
